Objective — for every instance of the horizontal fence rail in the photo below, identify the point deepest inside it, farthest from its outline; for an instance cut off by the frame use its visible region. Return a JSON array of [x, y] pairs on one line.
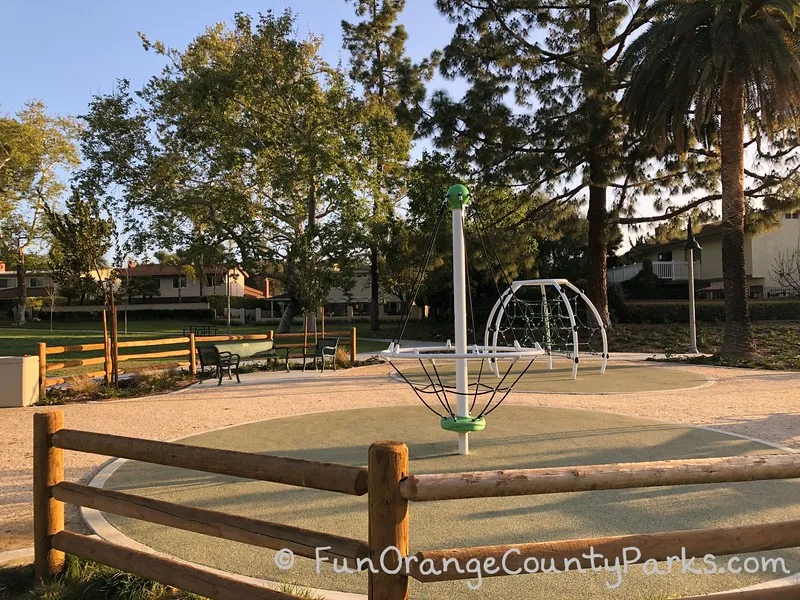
[[303, 542], [164, 570], [76, 348], [719, 541], [332, 477], [520, 482]]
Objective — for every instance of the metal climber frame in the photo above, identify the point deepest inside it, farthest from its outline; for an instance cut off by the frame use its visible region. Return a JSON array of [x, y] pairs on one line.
[[499, 312]]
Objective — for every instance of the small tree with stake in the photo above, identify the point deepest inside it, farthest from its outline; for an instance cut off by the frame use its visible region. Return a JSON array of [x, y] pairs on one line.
[[786, 269]]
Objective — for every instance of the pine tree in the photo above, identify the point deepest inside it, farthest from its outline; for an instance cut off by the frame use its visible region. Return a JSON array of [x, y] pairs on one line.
[[393, 90], [540, 113]]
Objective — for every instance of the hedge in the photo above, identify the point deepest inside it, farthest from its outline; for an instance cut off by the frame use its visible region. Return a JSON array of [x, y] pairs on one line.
[[189, 315], [221, 302], [678, 312]]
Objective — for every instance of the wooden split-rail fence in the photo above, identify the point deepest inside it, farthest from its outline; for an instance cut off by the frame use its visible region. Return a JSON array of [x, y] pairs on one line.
[[184, 349], [390, 488]]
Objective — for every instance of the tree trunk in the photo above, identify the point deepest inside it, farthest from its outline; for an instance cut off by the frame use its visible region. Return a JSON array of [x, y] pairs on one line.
[[288, 316], [595, 80], [738, 339], [374, 307], [596, 251], [22, 290]]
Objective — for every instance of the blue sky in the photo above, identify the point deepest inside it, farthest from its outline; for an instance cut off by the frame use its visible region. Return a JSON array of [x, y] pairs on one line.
[[64, 52]]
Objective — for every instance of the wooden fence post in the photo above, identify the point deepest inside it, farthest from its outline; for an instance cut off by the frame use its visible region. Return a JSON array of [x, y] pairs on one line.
[[106, 349], [192, 348], [271, 334], [48, 513], [114, 347], [352, 346], [41, 350], [388, 520]]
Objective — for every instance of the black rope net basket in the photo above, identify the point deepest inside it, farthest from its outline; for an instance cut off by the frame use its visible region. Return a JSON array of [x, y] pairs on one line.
[[483, 377]]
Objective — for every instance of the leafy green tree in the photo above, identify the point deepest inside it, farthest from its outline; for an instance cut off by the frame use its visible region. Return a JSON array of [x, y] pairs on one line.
[[80, 238], [145, 288], [714, 69], [404, 247], [393, 91], [248, 135], [35, 150]]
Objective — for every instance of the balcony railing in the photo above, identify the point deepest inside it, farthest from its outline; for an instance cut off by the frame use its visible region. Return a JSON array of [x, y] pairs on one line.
[[675, 270]]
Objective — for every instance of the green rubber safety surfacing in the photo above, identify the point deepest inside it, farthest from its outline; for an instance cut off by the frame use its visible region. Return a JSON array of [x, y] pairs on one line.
[[519, 437], [463, 424]]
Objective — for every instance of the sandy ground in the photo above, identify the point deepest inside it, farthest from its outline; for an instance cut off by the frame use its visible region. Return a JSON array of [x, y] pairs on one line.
[[761, 404]]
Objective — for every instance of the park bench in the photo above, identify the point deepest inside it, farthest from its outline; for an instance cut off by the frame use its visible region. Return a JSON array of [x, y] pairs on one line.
[[230, 354], [256, 350], [210, 356], [326, 347]]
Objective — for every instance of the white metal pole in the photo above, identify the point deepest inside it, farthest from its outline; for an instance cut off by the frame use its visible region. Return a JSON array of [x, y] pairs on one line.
[[692, 325], [460, 313]]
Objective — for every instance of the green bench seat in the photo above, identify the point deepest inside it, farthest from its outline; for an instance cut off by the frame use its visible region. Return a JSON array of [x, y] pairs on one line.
[[227, 355], [255, 350]]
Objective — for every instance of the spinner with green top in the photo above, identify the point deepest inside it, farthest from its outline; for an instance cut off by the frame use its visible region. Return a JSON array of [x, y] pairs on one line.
[[475, 400]]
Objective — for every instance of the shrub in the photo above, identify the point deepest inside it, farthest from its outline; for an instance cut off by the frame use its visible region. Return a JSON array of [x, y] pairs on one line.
[[343, 357], [152, 380], [83, 385], [85, 580], [678, 312], [188, 314], [221, 302]]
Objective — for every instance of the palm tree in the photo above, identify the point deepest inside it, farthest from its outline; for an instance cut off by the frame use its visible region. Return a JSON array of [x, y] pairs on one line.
[[706, 68], [182, 264]]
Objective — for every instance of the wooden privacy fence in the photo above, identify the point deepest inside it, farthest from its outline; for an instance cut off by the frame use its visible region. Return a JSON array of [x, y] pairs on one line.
[[186, 346], [391, 488]]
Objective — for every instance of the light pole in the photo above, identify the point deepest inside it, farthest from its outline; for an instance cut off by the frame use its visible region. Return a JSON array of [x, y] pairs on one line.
[[228, 294], [690, 246]]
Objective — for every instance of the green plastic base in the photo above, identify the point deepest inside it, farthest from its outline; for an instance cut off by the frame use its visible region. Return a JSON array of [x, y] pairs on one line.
[[463, 424]]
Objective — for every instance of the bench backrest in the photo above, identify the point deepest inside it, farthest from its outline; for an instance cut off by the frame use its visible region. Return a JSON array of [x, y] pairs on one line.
[[326, 343], [245, 349], [209, 355]]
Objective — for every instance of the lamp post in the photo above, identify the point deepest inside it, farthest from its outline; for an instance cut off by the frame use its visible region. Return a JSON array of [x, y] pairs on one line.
[[228, 294], [690, 246]]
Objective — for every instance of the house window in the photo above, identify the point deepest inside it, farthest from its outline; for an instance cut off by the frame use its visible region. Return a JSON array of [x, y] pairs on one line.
[[794, 215], [665, 256], [36, 282], [5, 283], [179, 281]]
